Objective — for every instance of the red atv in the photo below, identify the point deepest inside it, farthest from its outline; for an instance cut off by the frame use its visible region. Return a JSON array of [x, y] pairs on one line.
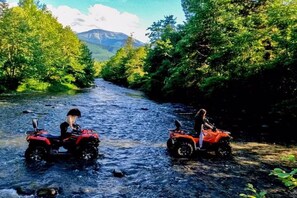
[[182, 144], [83, 143]]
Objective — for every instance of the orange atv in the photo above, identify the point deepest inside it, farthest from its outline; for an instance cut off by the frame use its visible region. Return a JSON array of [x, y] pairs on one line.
[[182, 144]]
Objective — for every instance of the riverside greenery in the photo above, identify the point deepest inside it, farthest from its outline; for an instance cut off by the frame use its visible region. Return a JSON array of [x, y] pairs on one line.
[[38, 53], [237, 55]]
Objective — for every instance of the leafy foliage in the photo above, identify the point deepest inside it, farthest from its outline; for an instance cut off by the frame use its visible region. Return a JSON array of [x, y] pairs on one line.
[[35, 48], [288, 179], [126, 66], [234, 49], [235, 56], [253, 191]]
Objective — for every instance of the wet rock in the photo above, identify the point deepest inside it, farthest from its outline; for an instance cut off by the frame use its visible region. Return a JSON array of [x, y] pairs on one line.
[[143, 108], [81, 191], [24, 191], [27, 111], [118, 173], [265, 126], [87, 190], [47, 193]]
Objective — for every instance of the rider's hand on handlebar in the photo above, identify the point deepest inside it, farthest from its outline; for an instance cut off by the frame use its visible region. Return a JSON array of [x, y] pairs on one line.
[[76, 127]]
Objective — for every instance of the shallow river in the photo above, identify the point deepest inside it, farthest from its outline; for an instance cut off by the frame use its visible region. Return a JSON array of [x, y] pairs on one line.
[[133, 133]]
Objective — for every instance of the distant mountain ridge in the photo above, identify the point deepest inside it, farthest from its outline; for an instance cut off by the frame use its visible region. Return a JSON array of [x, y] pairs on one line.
[[107, 42]]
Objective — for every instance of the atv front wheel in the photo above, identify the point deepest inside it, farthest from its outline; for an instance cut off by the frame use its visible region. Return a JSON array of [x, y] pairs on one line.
[[224, 150], [36, 153], [184, 149], [88, 153], [170, 145]]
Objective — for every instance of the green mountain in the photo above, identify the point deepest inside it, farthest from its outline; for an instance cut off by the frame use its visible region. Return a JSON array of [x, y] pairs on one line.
[[98, 52], [104, 44]]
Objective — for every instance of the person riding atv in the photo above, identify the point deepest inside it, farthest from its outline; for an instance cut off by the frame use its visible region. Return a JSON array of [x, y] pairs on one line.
[[200, 123], [82, 143], [72, 115], [184, 144]]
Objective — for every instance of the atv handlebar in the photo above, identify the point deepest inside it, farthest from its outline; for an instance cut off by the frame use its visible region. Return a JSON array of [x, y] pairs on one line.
[[76, 132], [76, 129]]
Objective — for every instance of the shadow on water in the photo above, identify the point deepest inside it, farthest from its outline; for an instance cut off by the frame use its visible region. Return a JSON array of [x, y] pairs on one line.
[[66, 162]]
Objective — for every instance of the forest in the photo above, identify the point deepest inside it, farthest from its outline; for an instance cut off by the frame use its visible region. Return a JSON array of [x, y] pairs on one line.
[[38, 53], [235, 58]]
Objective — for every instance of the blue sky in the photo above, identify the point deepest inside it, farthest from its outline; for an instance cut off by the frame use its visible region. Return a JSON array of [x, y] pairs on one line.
[[127, 16]]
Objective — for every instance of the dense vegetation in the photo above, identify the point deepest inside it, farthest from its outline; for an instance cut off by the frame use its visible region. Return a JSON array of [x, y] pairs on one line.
[[38, 53], [236, 58], [126, 66]]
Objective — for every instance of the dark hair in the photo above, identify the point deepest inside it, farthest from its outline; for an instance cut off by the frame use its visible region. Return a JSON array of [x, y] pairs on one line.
[[201, 113], [74, 112]]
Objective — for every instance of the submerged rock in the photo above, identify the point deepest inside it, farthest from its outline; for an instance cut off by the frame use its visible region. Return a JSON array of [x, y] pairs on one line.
[[118, 173], [24, 191], [27, 111], [47, 192]]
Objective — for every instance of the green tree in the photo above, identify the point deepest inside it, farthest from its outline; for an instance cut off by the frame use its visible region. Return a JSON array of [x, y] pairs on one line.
[[162, 56], [36, 48], [86, 77], [126, 66], [15, 46], [157, 29]]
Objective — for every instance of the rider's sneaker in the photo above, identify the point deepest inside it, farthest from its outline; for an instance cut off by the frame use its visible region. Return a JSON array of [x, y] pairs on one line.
[[201, 149]]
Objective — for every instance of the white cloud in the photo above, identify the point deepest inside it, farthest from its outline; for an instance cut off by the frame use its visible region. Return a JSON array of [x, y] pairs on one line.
[[12, 4], [100, 17]]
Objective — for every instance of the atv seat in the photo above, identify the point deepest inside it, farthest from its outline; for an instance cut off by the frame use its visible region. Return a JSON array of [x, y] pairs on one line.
[[53, 137], [195, 135]]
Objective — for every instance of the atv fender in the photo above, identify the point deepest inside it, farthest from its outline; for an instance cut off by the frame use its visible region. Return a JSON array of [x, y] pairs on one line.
[[39, 140], [88, 141], [222, 137]]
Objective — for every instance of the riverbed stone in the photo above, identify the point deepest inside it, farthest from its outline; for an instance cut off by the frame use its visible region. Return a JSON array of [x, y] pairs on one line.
[[47, 192], [24, 190], [118, 173], [28, 111]]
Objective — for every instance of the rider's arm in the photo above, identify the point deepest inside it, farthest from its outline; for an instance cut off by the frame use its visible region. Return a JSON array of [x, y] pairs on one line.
[[207, 124]]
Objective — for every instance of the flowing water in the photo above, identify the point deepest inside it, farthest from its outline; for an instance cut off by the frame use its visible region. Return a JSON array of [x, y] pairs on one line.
[[133, 132]]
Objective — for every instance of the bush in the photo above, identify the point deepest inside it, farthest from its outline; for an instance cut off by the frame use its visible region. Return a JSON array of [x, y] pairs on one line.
[[32, 85]]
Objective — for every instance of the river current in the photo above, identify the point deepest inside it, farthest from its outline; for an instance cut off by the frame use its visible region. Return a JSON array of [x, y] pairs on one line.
[[133, 132]]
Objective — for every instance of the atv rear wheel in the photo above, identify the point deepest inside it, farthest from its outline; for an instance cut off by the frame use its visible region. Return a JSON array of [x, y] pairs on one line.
[[224, 150], [88, 153], [36, 153], [184, 149]]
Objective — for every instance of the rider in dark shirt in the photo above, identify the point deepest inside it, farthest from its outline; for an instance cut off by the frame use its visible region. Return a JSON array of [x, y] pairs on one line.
[[72, 115], [200, 122]]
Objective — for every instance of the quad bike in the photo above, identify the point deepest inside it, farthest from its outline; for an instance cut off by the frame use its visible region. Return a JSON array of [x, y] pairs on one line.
[[183, 144], [82, 143]]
